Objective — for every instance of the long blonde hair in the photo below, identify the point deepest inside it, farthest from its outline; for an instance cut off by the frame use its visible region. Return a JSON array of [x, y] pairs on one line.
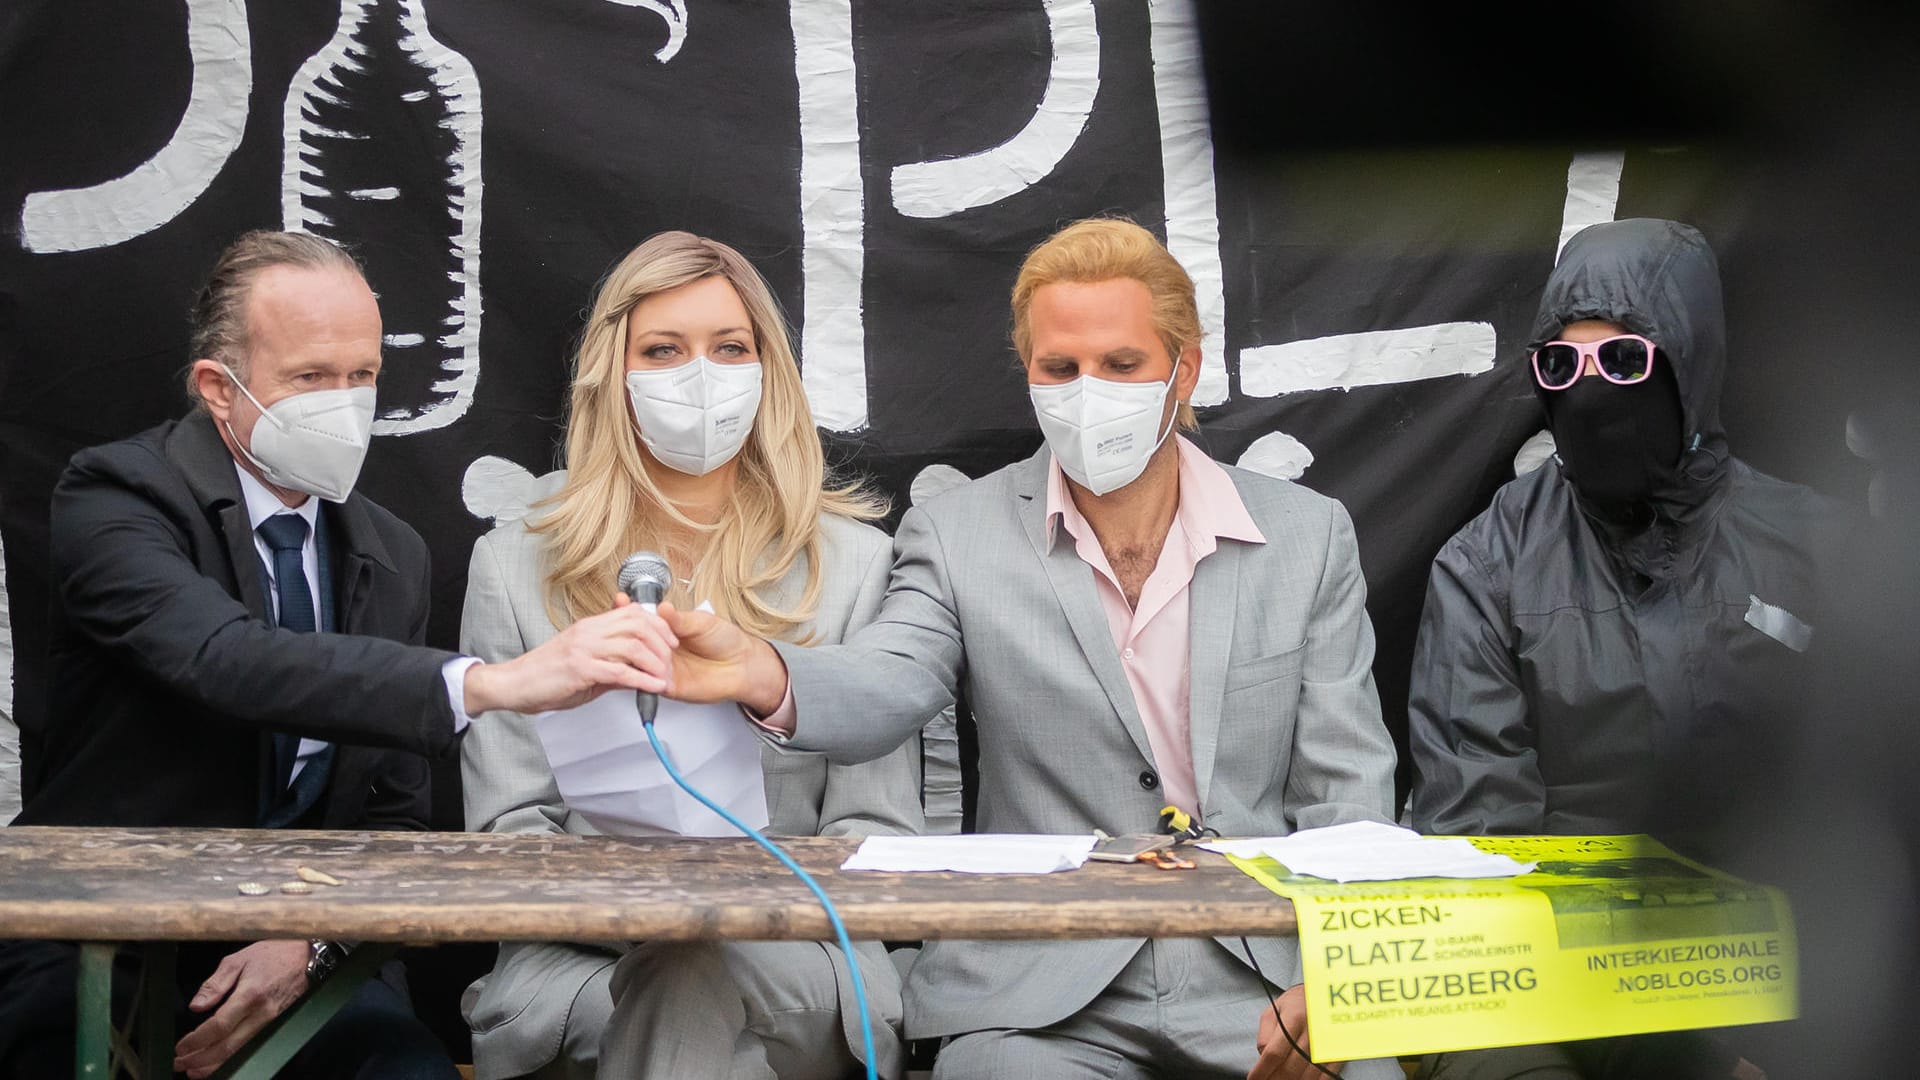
[[609, 506]]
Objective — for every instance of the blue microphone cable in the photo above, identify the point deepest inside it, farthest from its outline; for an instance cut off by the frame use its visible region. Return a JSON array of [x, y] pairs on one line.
[[833, 916]]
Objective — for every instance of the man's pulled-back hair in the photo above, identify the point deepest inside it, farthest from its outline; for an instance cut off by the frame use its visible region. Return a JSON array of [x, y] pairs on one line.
[[220, 311], [1103, 249]]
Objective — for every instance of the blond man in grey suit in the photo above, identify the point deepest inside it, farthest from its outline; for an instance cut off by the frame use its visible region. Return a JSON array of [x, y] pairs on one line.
[[737, 501], [1134, 625]]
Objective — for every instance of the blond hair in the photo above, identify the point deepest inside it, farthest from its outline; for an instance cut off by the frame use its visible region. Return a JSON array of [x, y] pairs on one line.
[[610, 506], [1103, 249]]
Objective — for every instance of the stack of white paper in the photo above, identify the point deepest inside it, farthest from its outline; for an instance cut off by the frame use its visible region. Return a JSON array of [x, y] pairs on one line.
[[976, 853], [1371, 851], [608, 773]]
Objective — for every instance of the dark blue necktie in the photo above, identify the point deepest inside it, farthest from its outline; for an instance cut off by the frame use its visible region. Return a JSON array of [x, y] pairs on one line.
[[286, 536]]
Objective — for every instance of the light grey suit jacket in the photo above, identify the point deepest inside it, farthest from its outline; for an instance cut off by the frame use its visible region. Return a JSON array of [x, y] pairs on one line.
[[521, 1009], [1285, 722]]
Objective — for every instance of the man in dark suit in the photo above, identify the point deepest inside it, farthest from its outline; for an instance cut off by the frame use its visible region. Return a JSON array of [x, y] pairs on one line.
[[236, 642]]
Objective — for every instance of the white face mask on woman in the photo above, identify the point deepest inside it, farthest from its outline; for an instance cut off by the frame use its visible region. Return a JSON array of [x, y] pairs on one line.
[[695, 417], [1101, 432], [313, 442]]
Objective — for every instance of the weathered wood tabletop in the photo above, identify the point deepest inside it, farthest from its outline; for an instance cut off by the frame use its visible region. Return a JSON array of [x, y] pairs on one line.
[[94, 884]]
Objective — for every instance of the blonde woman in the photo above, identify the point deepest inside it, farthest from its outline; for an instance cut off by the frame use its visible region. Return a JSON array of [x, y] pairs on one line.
[[689, 435]]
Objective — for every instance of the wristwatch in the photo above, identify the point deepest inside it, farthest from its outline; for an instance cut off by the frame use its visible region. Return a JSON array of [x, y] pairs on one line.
[[322, 958]]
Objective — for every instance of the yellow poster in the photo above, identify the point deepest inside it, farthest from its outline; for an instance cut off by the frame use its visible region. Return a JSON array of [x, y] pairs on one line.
[[1610, 935]]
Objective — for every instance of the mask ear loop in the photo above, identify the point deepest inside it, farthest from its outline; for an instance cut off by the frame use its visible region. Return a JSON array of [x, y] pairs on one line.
[[242, 387], [1173, 416], [647, 483], [244, 448], [626, 388], [619, 346]]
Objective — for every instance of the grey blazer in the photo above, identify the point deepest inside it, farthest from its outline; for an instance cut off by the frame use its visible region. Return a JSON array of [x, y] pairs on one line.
[[520, 1011], [1285, 722]]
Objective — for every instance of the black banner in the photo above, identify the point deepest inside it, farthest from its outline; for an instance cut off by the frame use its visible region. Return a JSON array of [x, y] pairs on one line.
[[885, 165]]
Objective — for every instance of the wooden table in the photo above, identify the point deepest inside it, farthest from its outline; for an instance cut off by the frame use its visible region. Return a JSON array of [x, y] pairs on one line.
[[109, 886]]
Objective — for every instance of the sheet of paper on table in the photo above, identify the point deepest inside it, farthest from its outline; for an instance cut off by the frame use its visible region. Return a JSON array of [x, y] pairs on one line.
[[1371, 851], [607, 770], [974, 853]]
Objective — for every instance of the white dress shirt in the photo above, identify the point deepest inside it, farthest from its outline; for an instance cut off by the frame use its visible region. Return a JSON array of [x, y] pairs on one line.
[[263, 504]]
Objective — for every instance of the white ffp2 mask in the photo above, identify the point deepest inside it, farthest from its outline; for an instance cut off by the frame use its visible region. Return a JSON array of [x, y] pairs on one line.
[[313, 442], [1103, 432], [695, 417]]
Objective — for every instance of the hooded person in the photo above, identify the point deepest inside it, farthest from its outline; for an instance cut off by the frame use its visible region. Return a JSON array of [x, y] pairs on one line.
[[1608, 647]]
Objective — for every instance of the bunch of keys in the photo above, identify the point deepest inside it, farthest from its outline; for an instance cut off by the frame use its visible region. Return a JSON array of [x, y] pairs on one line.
[[1176, 827], [1164, 859]]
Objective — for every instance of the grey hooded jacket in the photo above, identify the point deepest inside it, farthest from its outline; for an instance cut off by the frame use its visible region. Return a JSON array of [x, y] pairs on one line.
[[1575, 676]]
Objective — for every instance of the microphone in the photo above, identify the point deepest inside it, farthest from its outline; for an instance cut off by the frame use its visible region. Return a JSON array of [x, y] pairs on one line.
[[644, 577]]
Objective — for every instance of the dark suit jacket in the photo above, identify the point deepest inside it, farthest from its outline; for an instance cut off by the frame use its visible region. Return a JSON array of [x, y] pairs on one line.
[[168, 678]]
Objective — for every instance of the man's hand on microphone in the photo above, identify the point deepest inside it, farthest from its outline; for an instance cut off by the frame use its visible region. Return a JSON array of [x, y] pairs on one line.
[[715, 660], [627, 647]]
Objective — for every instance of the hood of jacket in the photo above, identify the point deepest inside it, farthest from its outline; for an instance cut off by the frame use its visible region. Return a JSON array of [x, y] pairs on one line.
[[1658, 279]]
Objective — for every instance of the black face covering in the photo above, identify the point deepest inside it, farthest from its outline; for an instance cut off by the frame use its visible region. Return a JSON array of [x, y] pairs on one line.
[[1619, 443]]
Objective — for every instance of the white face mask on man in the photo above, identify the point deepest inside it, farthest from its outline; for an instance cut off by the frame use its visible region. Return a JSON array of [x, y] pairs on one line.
[[695, 417], [313, 442], [1101, 432]]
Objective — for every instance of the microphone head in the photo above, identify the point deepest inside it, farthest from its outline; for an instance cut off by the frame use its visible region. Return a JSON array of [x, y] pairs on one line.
[[645, 576]]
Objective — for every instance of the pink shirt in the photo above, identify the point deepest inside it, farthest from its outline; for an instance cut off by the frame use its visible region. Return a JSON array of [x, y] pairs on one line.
[[1152, 638]]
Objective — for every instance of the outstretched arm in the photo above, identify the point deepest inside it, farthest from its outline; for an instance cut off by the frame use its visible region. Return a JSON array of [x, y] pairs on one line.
[[854, 701]]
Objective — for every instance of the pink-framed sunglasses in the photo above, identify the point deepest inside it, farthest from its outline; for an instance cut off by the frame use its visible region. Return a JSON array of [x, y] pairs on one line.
[[1623, 359]]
